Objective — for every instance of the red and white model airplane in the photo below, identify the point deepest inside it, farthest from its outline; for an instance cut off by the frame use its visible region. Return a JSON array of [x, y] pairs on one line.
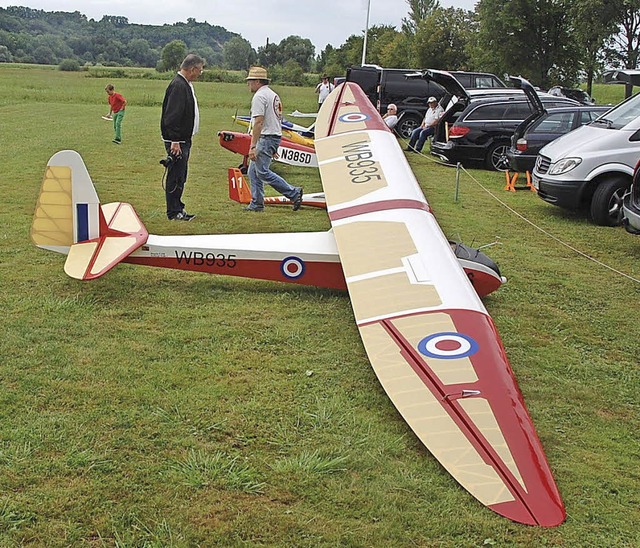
[[430, 340], [293, 154]]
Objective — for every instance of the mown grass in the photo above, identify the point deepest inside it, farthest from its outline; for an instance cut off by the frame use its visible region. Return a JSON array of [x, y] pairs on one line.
[[161, 408]]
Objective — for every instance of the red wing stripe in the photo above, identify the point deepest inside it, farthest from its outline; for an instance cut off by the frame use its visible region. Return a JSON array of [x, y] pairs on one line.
[[378, 206], [457, 414]]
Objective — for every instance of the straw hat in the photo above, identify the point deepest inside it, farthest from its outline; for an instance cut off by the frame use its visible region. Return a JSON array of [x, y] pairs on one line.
[[257, 73]]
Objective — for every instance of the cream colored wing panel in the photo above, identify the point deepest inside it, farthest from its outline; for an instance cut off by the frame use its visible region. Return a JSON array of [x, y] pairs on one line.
[[121, 216], [53, 220], [450, 371], [483, 417], [424, 412], [386, 244], [112, 249], [78, 259], [389, 294], [351, 172]]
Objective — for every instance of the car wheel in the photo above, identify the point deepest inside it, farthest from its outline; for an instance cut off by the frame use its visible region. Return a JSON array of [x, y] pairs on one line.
[[406, 125], [606, 204], [496, 158]]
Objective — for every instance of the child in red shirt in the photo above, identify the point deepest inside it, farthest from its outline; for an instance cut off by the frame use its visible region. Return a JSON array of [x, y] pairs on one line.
[[116, 108]]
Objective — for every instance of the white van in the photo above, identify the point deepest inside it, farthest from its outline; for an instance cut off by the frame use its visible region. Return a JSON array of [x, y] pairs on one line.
[[592, 166]]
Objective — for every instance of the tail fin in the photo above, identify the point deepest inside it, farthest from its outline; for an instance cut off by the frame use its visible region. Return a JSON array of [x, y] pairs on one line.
[[69, 219], [239, 190]]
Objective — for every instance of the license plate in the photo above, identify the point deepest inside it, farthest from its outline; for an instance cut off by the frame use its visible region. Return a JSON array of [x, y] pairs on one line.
[[536, 182]]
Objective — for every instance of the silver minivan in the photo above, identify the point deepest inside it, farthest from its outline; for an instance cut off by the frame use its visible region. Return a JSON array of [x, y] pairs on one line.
[[592, 166]]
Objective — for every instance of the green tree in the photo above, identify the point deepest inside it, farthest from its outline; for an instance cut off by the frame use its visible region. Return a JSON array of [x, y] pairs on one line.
[[419, 10], [5, 55], [442, 38], [298, 49], [594, 23], [380, 39], [623, 49], [238, 54], [140, 52], [399, 53], [532, 38], [268, 54], [172, 55]]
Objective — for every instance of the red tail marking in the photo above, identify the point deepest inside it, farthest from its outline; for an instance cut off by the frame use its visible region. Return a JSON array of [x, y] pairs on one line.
[[239, 190]]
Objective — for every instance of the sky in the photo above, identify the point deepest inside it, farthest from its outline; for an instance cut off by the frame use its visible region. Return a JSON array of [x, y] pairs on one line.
[[322, 21]]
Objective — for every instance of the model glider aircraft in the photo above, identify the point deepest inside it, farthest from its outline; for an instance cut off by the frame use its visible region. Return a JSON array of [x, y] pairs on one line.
[[290, 153], [430, 340], [240, 191], [70, 219], [293, 132]]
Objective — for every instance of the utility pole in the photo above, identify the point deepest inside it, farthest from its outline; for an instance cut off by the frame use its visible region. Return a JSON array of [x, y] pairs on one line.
[[366, 34]]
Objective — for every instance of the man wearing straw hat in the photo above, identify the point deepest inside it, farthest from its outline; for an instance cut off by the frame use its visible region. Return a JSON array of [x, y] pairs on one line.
[[266, 133]]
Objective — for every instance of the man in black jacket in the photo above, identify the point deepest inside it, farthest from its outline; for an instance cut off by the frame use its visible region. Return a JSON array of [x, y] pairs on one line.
[[179, 123]]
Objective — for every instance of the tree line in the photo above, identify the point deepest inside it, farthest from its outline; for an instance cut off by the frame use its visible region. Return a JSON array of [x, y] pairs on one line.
[[547, 41]]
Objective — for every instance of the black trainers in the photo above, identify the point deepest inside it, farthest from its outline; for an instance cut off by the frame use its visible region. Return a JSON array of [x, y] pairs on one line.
[[297, 201], [182, 216], [253, 209], [116, 141]]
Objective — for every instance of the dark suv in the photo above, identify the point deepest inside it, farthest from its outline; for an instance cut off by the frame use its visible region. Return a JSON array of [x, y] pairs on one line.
[[384, 86], [478, 126]]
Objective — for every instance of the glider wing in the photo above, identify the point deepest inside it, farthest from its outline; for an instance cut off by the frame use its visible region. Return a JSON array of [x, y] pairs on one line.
[[428, 336]]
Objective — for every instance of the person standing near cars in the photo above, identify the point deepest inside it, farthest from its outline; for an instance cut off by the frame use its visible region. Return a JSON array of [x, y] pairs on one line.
[[179, 122], [116, 111], [266, 133], [323, 89], [427, 128]]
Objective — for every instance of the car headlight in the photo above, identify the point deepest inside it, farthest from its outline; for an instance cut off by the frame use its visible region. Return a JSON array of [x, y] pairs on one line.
[[564, 165]]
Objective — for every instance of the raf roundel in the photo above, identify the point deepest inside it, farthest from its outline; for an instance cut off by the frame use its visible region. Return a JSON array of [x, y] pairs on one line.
[[448, 346], [292, 268], [353, 117]]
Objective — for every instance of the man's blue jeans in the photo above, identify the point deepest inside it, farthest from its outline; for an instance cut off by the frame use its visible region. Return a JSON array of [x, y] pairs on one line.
[[419, 137], [260, 174]]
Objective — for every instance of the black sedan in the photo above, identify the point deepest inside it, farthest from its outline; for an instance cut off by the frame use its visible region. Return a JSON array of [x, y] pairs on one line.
[[540, 129]]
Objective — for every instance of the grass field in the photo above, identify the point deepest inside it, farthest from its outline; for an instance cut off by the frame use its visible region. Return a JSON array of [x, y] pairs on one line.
[[160, 408]]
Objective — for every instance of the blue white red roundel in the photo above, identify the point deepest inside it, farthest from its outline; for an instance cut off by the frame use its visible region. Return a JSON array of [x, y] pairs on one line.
[[354, 117], [292, 267], [448, 346]]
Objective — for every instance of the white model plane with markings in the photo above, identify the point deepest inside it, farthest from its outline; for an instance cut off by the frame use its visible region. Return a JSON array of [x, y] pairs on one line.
[[428, 336]]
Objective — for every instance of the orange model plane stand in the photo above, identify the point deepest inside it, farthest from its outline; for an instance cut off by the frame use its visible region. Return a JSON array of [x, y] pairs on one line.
[[512, 179], [428, 336]]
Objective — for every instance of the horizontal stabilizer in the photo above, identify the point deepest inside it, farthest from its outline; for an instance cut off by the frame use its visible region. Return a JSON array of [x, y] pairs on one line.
[[121, 234]]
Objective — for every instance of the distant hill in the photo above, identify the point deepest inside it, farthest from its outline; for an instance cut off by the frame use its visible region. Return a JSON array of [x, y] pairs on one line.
[[36, 36]]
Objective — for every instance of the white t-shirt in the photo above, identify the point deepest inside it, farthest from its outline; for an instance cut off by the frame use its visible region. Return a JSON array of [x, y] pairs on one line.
[[266, 103], [432, 115], [196, 111], [391, 121], [323, 91]]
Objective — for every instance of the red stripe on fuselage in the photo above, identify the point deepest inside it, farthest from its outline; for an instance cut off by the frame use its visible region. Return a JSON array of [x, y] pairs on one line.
[[316, 274], [378, 206]]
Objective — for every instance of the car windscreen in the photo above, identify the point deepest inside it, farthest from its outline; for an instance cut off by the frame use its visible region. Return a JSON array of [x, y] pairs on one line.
[[623, 114]]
